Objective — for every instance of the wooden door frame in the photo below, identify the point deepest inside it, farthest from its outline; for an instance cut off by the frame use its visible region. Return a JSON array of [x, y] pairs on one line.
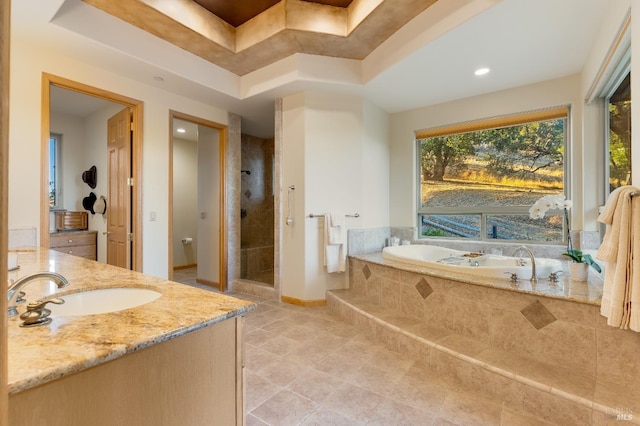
[[223, 132], [136, 106], [5, 24]]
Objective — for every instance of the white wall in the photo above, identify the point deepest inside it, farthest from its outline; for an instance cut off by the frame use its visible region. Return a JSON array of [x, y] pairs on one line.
[[28, 62], [375, 168], [563, 91], [292, 267], [185, 201], [596, 72], [208, 204], [345, 171], [72, 159]]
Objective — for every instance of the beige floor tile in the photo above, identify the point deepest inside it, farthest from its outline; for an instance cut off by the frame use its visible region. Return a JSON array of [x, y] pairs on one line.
[[339, 364], [391, 361], [255, 358], [373, 379], [258, 336], [283, 372], [464, 409], [419, 394], [280, 326], [324, 417], [361, 347], [280, 345], [254, 421], [258, 390], [315, 385], [514, 418], [310, 354], [302, 334], [439, 421], [391, 412], [353, 402], [285, 408], [259, 320]]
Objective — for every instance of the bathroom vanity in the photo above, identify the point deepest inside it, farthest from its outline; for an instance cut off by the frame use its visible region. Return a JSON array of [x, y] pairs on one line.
[[173, 361]]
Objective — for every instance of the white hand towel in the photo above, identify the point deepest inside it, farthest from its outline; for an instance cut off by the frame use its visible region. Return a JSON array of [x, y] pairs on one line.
[[337, 225], [335, 253]]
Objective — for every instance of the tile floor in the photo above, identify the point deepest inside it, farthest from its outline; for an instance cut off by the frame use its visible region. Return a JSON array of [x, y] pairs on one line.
[[305, 368]]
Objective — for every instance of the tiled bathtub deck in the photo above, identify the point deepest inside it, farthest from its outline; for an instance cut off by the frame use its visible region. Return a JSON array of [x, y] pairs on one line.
[[540, 361]]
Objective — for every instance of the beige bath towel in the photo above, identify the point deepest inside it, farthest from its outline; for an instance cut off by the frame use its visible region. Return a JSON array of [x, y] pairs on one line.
[[631, 310], [621, 250]]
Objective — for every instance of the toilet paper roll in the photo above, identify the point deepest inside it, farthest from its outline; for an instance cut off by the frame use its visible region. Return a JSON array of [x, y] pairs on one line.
[[187, 241]]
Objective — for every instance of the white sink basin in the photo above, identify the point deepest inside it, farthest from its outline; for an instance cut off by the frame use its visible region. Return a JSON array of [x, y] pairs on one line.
[[102, 301]]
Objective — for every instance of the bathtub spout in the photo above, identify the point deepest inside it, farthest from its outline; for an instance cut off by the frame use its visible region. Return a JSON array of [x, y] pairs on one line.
[[534, 277]]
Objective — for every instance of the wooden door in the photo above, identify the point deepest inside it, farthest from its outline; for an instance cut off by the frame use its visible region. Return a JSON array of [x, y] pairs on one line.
[[119, 189]]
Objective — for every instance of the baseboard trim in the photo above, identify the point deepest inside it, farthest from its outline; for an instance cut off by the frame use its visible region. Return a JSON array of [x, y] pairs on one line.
[[207, 282], [305, 303], [177, 268]]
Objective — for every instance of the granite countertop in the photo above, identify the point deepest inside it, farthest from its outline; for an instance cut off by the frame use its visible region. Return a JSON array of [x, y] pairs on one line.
[[589, 292], [69, 345]]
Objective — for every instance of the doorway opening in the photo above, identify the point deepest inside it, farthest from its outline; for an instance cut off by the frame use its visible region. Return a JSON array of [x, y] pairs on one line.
[[197, 235], [61, 97]]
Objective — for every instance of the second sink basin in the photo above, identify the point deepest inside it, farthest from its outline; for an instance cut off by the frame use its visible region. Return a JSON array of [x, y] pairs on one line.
[[102, 301]]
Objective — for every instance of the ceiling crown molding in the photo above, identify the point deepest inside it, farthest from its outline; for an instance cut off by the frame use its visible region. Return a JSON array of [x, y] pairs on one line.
[[289, 27]]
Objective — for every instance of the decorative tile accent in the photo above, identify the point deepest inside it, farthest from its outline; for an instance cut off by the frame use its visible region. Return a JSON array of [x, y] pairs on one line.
[[538, 315], [247, 193], [366, 271], [424, 288]]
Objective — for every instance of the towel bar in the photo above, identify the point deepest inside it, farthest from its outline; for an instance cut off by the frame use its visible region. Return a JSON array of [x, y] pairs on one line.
[[311, 215]]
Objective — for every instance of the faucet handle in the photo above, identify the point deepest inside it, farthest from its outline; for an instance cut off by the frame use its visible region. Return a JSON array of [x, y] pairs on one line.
[[513, 277], [37, 314], [20, 298], [553, 277]]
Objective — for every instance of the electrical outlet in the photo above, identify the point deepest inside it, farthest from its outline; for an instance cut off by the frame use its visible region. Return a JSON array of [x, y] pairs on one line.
[[203, 215], [152, 216]]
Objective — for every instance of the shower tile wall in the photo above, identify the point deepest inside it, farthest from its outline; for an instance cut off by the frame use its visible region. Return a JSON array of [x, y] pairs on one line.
[[257, 209]]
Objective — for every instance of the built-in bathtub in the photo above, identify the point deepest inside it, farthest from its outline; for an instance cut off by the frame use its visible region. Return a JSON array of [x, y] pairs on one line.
[[543, 348], [437, 258]]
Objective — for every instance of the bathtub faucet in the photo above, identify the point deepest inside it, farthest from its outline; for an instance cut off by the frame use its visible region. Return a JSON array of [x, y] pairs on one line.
[[534, 277]]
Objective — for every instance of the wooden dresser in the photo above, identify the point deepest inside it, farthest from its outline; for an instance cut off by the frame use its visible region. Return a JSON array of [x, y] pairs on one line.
[[77, 243]]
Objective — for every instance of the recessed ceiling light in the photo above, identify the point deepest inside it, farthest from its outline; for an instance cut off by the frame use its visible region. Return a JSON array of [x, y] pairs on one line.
[[181, 130], [482, 71]]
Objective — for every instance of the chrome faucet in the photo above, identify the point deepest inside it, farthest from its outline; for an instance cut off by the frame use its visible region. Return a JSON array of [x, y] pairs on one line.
[[15, 287], [534, 278]]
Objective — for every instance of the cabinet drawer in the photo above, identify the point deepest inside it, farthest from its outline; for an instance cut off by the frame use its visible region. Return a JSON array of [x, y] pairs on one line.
[[62, 240], [71, 220], [83, 251]]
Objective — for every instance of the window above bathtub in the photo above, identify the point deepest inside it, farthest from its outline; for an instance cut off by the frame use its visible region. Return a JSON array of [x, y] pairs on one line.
[[477, 180]]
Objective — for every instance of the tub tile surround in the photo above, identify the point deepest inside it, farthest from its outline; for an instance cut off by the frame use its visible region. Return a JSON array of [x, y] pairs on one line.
[[569, 368]]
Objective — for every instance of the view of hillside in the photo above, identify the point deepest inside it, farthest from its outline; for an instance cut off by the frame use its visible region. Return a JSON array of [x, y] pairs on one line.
[[499, 173]]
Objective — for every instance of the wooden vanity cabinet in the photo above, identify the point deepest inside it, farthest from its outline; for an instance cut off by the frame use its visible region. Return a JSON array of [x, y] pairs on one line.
[[194, 379], [77, 243]]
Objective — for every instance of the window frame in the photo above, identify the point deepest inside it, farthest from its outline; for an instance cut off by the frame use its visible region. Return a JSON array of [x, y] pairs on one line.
[[618, 75], [555, 112], [57, 137]]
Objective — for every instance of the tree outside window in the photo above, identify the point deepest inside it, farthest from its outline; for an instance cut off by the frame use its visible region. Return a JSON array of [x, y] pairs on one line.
[[479, 184]]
